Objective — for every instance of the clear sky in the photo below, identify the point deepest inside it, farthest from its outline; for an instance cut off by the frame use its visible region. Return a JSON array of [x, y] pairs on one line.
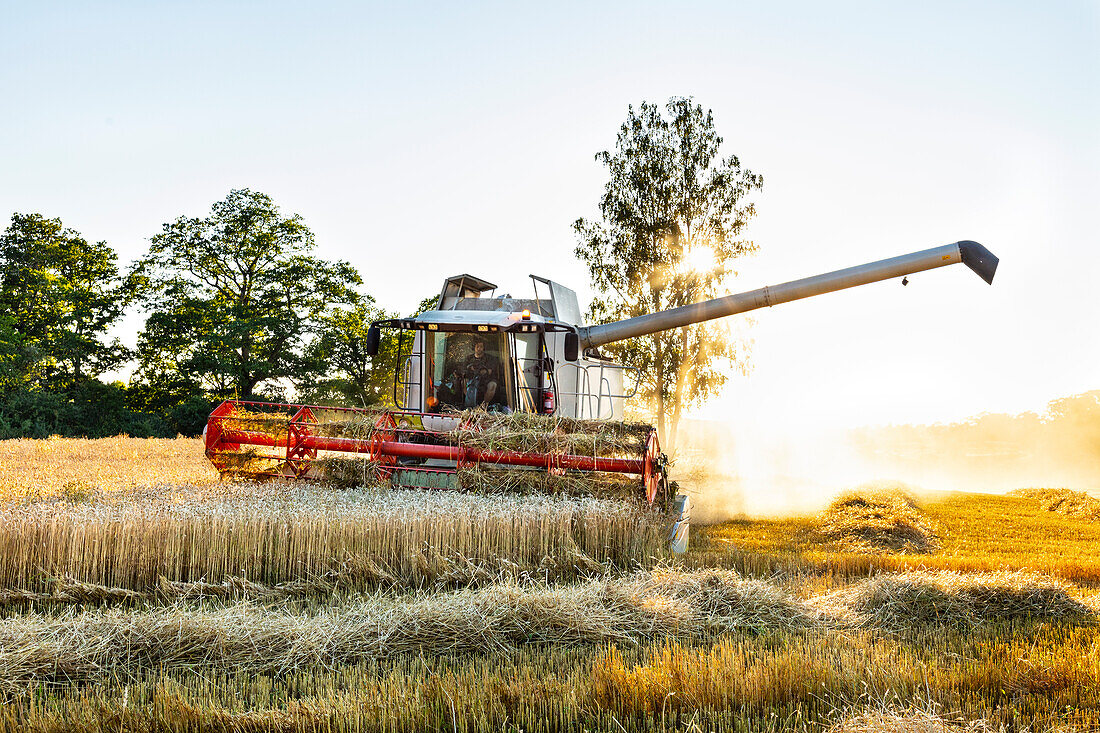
[[423, 140]]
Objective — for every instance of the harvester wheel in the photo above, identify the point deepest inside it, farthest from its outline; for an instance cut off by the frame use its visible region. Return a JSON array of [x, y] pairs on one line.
[[655, 476], [385, 429]]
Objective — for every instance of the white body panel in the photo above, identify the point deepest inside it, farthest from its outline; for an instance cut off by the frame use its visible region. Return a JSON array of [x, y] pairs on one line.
[[586, 389]]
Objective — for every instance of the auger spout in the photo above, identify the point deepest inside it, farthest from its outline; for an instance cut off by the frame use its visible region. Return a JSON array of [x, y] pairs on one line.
[[973, 255]]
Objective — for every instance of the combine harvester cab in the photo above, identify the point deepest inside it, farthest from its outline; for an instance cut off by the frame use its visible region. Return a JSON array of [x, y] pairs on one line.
[[512, 393]]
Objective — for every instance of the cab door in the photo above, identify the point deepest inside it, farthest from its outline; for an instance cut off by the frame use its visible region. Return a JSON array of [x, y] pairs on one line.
[[527, 349]]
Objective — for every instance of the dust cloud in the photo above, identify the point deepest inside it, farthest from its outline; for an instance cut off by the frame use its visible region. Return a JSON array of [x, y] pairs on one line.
[[732, 470]]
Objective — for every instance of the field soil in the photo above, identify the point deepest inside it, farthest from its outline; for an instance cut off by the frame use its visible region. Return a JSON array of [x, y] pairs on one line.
[[138, 592]]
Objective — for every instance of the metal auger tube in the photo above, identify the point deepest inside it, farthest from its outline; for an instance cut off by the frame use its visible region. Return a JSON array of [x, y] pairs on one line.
[[973, 255]]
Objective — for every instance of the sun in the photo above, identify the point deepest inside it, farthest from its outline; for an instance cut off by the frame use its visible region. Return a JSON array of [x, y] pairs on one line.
[[699, 258]]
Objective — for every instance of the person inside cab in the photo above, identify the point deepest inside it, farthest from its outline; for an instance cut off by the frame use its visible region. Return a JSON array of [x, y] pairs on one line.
[[481, 372]]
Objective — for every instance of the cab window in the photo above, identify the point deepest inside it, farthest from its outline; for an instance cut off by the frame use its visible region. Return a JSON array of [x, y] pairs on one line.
[[466, 370]]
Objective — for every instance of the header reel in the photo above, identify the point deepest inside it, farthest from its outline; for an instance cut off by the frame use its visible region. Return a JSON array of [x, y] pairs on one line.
[[430, 450]]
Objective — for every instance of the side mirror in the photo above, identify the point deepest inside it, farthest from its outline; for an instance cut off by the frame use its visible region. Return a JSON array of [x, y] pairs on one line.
[[374, 335], [572, 346]]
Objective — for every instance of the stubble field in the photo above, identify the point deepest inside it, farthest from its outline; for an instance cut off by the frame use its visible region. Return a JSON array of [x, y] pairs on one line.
[[137, 592]]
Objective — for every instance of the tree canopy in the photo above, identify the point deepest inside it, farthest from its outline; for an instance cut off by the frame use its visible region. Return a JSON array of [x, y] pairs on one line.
[[343, 372], [233, 300], [59, 294], [15, 358], [672, 218]]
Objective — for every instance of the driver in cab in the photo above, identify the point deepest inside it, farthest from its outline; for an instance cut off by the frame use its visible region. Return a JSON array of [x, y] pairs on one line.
[[482, 375]]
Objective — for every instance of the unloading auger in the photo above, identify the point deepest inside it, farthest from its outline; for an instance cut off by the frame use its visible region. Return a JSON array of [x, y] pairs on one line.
[[512, 391]]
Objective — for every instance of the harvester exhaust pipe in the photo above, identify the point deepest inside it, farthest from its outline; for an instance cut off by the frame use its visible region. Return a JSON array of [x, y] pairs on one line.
[[973, 255]]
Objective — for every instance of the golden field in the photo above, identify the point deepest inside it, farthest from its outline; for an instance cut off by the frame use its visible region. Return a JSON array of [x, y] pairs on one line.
[[40, 468], [139, 593]]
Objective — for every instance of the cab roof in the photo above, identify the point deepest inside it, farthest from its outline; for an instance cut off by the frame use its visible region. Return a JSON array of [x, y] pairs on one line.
[[478, 317]]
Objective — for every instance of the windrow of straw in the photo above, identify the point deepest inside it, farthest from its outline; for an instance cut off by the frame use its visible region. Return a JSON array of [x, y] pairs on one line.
[[284, 533], [1076, 504], [438, 571], [967, 599], [871, 521], [1041, 682], [528, 432], [247, 638], [648, 606], [908, 720]]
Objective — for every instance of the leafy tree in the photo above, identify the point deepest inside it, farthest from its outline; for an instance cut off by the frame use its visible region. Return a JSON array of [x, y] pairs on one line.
[[90, 409], [233, 300], [344, 373], [15, 357], [61, 293], [427, 304], [34, 414], [672, 217]]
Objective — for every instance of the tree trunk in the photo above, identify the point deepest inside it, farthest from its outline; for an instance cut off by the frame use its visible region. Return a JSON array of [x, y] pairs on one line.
[[682, 371], [659, 362], [244, 381]]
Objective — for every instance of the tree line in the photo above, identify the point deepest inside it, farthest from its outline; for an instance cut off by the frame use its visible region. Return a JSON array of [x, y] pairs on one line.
[[1056, 446], [235, 304]]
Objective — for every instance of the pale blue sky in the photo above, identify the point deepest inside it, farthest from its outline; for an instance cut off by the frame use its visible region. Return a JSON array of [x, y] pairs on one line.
[[425, 140]]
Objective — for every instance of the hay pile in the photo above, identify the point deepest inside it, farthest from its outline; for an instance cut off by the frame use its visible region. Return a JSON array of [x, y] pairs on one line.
[[1076, 504], [724, 599], [905, 600], [527, 432], [482, 479], [875, 521], [253, 421], [343, 424], [910, 720]]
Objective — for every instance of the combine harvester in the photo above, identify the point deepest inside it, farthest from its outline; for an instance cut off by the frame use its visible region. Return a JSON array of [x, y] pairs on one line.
[[512, 394]]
